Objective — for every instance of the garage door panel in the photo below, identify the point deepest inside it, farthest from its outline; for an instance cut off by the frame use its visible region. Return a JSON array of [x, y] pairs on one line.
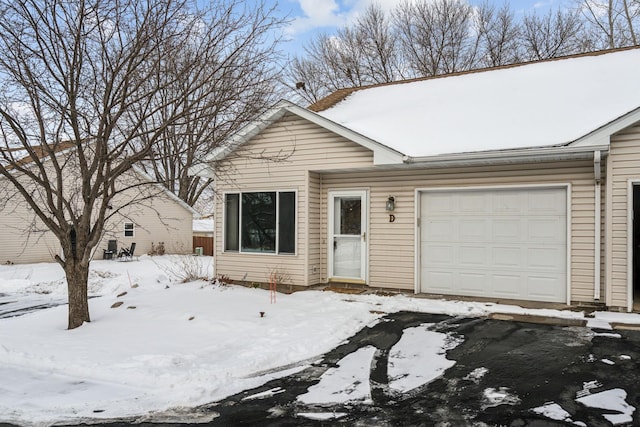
[[547, 258], [470, 283], [438, 255], [542, 288], [473, 203], [545, 201], [546, 229], [441, 281], [507, 203], [439, 204], [437, 230], [497, 243], [470, 229], [506, 230], [503, 285], [504, 257], [472, 256]]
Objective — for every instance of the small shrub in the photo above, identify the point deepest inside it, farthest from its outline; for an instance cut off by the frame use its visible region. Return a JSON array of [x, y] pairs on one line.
[[187, 268], [157, 249], [222, 280]]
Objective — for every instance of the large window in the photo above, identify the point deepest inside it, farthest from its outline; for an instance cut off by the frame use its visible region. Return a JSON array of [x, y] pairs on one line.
[[262, 222]]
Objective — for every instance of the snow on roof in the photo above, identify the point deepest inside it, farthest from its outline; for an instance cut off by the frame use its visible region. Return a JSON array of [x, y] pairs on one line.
[[203, 225], [538, 104]]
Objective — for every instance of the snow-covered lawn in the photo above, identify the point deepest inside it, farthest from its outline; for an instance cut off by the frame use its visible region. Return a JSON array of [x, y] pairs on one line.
[[172, 345]]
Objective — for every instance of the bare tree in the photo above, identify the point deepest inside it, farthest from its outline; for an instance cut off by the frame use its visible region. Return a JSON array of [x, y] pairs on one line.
[[615, 23], [380, 45], [365, 52], [555, 34], [238, 48], [499, 35], [436, 36], [95, 74], [310, 79]]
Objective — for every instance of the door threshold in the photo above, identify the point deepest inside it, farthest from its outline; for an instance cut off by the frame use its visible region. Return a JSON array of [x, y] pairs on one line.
[[348, 281]]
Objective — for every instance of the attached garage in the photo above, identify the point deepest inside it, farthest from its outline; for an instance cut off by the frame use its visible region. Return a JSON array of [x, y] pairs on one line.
[[494, 242]]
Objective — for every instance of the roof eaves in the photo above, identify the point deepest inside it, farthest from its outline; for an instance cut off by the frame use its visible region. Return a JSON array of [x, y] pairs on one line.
[[520, 155], [601, 135]]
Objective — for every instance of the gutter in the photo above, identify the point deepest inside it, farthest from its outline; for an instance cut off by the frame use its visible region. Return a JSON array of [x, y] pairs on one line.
[[525, 155]]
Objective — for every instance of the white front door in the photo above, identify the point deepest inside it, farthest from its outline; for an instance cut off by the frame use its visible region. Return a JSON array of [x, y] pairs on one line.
[[348, 236]]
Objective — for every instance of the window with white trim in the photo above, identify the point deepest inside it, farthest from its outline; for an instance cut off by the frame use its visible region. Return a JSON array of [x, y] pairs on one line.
[[128, 229], [260, 222]]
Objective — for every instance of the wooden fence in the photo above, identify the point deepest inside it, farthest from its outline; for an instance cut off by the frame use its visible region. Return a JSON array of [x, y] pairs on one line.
[[206, 243]]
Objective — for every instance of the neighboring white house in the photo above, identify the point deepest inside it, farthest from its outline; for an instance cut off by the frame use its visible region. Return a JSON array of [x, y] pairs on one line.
[[160, 217], [516, 182]]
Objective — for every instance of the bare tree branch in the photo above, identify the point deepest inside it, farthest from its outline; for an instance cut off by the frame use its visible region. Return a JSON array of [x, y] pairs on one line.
[[90, 88]]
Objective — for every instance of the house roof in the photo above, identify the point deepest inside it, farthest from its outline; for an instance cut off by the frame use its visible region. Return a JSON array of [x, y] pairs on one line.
[[540, 104], [203, 225], [22, 156]]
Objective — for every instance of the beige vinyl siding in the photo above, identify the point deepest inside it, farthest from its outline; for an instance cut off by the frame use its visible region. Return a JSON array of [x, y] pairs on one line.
[[20, 245], [160, 219], [623, 165], [392, 245], [279, 158], [314, 261]]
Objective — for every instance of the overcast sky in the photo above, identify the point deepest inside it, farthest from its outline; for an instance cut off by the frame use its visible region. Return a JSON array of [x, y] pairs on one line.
[[309, 17]]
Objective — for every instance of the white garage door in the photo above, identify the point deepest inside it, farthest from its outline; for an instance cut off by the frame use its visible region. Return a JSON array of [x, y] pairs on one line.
[[509, 243]]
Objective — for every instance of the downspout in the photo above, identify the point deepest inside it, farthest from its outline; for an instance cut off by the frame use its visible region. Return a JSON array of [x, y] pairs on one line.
[[597, 171]]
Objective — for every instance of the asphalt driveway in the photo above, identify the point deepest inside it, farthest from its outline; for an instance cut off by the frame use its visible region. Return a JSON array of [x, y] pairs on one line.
[[505, 374]]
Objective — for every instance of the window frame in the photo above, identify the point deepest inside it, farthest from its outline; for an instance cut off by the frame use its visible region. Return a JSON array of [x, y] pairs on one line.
[[277, 230], [133, 229]]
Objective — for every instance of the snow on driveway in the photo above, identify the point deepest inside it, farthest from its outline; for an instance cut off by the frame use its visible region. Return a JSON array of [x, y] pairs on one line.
[[613, 400], [419, 357], [555, 412], [348, 382]]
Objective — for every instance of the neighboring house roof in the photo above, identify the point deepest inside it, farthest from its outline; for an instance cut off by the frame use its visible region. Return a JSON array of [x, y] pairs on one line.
[[23, 157], [61, 147], [203, 225], [546, 103]]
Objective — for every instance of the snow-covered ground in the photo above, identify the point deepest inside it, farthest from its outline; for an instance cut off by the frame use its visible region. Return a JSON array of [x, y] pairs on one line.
[[172, 345]]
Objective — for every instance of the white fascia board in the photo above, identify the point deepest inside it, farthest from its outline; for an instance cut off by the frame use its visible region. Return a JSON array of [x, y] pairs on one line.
[[203, 170], [536, 154], [601, 136]]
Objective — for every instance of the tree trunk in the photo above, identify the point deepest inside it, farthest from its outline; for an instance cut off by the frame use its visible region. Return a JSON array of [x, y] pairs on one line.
[[77, 278]]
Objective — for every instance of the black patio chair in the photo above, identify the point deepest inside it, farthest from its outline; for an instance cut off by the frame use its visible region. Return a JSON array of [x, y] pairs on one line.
[[126, 254], [111, 251]]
